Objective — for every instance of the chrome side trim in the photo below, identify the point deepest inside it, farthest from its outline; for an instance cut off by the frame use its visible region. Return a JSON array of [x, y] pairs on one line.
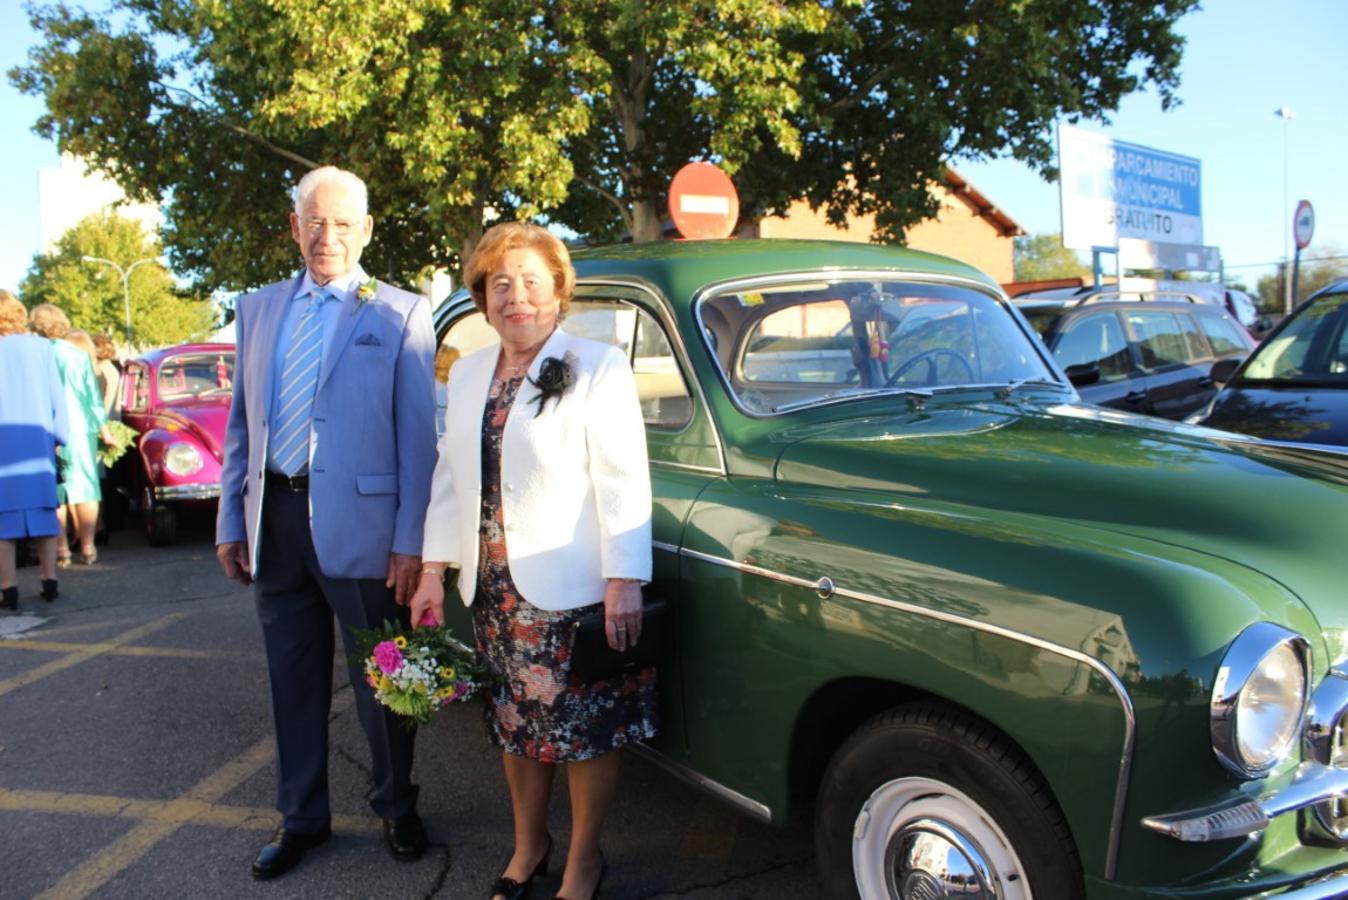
[[1104, 671], [187, 492], [668, 548], [697, 779]]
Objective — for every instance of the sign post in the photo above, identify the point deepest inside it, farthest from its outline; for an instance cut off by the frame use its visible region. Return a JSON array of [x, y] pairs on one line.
[[1303, 227]]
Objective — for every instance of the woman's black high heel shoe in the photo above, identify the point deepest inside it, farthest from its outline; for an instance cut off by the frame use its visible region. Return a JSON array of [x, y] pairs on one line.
[[49, 591], [511, 889], [599, 882]]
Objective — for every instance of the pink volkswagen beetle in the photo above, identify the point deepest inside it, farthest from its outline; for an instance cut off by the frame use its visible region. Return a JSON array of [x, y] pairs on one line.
[[178, 399]]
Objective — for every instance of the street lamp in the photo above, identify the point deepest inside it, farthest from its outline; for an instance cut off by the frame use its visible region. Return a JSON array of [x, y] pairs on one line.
[[1287, 115], [126, 284]]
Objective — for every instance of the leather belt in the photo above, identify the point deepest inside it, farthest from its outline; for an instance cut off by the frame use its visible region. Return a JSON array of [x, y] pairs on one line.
[[288, 482]]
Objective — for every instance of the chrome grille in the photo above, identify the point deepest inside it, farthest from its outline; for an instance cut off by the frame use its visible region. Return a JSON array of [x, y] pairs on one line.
[[1326, 741]]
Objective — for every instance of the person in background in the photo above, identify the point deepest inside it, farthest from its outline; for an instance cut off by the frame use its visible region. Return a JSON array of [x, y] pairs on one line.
[[79, 491], [542, 498], [331, 425], [445, 358], [109, 375], [32, 426]]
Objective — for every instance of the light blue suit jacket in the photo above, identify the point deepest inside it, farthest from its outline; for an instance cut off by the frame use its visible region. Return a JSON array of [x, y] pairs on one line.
[[372, 447]]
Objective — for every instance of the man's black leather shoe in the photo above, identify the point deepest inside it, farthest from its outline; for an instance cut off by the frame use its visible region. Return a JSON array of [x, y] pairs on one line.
[[285, 851], [406, 837]]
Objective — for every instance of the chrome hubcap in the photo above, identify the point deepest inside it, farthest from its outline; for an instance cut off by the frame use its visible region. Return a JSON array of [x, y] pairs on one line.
[[921, 839]]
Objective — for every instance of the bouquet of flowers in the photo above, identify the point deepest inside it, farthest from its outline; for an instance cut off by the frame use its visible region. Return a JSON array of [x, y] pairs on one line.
[[415, 671], [123, 436]]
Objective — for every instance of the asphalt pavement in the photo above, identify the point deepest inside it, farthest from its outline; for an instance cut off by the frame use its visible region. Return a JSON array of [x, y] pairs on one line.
[[136, 760]]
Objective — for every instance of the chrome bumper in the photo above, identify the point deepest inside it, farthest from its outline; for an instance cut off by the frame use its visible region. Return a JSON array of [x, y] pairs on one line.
[[173, 492], [1327, 888], [1309, 784]]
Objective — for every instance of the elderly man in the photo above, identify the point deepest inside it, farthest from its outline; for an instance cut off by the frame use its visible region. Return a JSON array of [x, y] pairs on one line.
[[327, 468]]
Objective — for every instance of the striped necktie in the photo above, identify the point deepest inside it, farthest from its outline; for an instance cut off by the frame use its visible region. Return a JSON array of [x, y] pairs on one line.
[[299, 380]]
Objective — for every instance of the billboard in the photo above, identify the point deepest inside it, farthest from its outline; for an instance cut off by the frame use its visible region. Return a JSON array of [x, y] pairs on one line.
[[1112, 189]]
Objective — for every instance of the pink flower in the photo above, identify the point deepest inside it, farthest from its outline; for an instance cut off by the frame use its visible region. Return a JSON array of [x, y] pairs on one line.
[[388, 656]]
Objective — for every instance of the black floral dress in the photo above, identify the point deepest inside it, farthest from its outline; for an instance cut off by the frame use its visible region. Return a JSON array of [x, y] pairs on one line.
[[535, 708]]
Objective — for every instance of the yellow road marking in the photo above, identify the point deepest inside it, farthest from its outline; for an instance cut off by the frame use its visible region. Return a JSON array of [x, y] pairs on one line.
[[122, 853], [117, 650], [86, 653], [178, 812]]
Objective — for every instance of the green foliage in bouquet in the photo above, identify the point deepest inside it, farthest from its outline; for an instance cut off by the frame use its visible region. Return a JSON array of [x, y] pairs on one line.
[[415, 671], [123, 436]]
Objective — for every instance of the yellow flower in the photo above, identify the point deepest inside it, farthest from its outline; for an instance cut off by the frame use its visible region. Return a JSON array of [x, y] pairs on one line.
[[448, 673], [419, 687], [444, 693], [401, 642], [384, 683]]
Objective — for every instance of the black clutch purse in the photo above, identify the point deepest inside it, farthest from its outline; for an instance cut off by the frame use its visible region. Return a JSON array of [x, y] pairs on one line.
[[592, 659]]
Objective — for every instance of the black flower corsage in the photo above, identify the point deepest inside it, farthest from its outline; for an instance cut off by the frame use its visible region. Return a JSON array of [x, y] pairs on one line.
[[555, 378]]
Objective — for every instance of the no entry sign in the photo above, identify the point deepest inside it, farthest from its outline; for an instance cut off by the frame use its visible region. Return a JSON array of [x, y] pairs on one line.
[[703, 202]]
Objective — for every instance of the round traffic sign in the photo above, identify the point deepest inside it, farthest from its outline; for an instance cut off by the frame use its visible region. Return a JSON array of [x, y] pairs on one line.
[[1303, 224], [703, 202]]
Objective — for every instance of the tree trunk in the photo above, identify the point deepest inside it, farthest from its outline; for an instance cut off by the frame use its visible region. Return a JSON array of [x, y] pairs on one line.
[[647, 223]]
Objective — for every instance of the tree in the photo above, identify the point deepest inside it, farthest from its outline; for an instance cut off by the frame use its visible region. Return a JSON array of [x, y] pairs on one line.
[[576, 111], [91, 293], [1042, 257], [1323, 265]]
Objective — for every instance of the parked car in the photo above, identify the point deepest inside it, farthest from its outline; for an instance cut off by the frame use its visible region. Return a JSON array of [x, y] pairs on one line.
[[1295, 385], [1147, 353], [1000, 643], [178, 399]]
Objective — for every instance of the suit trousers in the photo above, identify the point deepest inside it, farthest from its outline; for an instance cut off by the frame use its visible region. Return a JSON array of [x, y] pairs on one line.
[[296, 603]]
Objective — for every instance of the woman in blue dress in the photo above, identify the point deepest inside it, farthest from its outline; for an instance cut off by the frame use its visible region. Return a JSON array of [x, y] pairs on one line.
[[32, 424], [79, 490]]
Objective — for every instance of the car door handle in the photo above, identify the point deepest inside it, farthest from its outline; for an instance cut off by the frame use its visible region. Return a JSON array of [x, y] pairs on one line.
[[1135, 396]]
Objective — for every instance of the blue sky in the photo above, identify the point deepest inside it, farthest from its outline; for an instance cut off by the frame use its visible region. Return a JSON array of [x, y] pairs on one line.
[[1244, 59]]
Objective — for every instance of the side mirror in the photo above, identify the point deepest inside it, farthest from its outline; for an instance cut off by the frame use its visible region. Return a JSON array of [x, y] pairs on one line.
[[1083, 374], [1223, 369]]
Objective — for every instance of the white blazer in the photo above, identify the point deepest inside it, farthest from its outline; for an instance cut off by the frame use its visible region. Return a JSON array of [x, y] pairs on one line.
[[575, 487]]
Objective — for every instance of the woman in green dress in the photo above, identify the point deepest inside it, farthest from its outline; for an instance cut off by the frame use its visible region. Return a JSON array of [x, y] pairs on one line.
[[79, 492]]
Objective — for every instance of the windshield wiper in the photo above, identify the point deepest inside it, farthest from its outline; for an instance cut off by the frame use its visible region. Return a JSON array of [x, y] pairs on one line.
[[1007, 390]]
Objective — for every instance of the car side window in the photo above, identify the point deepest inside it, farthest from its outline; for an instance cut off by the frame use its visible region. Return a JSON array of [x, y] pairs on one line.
[[810, 342], [1159, 337], [1096, 338], [666, 401], [1195, 347], [137, 390], [1222, 334]]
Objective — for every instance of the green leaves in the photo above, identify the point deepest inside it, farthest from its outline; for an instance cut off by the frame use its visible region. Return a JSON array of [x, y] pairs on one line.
[[577, 112]]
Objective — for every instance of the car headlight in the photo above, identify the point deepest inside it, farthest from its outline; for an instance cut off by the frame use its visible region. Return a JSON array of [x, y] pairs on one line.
[[1259, 699], [182, 459]]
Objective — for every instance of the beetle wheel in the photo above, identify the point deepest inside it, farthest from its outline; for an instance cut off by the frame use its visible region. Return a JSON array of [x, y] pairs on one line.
[[924, 801], [161, 520]]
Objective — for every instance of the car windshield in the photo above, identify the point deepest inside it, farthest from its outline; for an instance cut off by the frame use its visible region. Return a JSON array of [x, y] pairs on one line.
[[1311, 349], [787, 345], [196, 375]]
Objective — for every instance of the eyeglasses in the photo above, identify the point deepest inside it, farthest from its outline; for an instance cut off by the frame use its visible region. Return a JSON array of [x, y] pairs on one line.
[[343, 228]]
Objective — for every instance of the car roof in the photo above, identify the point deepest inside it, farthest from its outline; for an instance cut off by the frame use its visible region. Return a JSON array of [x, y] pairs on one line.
[[157, 355], [683, 268]]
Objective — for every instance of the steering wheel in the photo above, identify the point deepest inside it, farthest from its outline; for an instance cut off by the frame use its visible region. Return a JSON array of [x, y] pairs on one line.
[[929, 357]]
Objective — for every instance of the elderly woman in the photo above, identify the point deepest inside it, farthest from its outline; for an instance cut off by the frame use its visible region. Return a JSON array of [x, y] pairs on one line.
[[542, 499], [79, 490], [32, 424]]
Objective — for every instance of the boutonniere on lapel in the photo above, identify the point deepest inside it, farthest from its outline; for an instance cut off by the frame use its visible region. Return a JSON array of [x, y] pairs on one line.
[[555, 378], [366, 292]]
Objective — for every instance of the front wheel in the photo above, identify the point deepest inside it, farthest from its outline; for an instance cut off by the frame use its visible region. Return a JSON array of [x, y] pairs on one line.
[[160, 519], [926, 801]]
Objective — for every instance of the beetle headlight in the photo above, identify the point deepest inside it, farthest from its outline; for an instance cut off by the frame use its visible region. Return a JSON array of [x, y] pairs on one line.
[[1259, 699], [182, 459]]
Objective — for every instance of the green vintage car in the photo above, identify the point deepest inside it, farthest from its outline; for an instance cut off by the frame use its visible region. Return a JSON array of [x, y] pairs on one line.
[[1001, 644]]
